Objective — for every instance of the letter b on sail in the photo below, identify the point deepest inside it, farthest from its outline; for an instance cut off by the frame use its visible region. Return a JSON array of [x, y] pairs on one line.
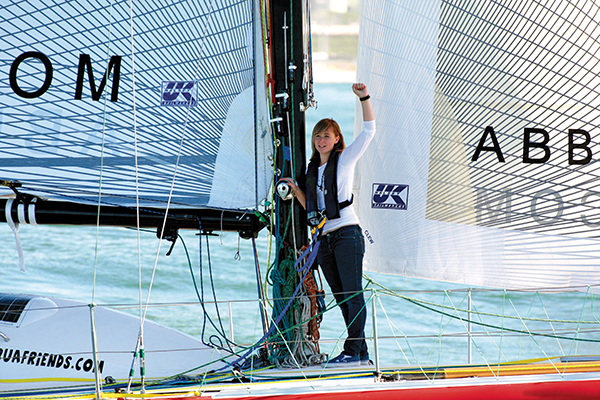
[[389, 195]]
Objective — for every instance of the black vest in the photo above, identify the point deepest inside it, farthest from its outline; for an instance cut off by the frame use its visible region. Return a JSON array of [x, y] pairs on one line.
[[332, 206]]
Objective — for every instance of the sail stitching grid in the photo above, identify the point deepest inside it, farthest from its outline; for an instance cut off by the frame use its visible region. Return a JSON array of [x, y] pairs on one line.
[[67, 147], [183, 133], [564, 75]]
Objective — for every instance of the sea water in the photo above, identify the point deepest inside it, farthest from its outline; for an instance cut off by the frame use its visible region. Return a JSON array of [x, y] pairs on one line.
[[423, 323]]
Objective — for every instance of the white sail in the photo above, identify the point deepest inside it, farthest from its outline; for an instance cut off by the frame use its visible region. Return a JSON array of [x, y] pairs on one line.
[[438, 198], [177, 75]]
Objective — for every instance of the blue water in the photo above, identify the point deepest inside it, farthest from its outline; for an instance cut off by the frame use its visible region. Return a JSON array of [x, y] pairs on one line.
[[101, 265]]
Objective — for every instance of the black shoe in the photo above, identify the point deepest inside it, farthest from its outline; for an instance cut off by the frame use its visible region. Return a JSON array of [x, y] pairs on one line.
[[343, 360]]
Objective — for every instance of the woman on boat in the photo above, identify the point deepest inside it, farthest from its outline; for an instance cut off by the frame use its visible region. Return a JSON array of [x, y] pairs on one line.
[[329, 181]]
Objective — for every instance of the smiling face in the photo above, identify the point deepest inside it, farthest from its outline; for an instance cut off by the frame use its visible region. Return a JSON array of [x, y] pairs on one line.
[[325, 141], [326, 138]]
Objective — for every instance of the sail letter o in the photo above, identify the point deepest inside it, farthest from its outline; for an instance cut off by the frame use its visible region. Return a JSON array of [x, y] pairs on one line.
[[15, 67], [592, 208], [546, 207]]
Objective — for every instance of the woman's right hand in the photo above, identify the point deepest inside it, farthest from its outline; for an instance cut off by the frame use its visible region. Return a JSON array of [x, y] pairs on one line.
[[299, 193], [292, 184]]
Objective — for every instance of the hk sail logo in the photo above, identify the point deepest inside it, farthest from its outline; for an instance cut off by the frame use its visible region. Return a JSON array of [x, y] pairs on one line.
[[389, 196], [179, 94]]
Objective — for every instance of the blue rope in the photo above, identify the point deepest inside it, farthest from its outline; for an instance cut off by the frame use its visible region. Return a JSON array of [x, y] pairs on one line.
[[305, 270]]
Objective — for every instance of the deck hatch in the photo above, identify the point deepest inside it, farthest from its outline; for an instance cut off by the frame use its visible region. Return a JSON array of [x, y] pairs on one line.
[[12, 306]]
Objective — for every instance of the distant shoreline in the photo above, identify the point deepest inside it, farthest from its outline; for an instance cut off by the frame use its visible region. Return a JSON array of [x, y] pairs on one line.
[[334, 71]]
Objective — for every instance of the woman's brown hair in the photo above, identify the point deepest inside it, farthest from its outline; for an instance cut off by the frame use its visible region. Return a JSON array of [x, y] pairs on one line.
[[321, 127]]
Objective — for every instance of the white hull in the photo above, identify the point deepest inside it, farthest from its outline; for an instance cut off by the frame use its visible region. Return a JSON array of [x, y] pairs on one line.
[[51, 345]]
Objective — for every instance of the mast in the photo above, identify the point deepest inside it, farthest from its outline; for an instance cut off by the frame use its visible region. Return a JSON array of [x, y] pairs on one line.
[[286, 38], [291, 232]]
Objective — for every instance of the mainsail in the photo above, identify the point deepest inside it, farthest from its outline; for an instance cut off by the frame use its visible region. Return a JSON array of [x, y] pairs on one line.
[[483, 168], [86, 84]]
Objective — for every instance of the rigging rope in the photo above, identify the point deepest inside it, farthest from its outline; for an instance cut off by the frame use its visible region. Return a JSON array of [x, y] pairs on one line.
[[391, 292], [430, 306], [97, 383], [14, 227], [304, 336], [139, 344], [302, 269], [179, 151], [200, 295]]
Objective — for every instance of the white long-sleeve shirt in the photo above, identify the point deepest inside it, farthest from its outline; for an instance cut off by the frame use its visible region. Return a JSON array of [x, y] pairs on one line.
[[345, 178]]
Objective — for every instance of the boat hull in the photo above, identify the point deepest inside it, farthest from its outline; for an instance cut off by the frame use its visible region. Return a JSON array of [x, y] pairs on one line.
[[548, 387], [47, 342]]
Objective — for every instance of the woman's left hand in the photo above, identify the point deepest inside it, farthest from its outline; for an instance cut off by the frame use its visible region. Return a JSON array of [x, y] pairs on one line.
[[360, 89]]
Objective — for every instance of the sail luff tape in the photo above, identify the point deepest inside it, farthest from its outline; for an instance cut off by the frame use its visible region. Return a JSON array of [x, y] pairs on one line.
[[15, 228], [7, 212], [28, 218], [21, 213], [31, 212]]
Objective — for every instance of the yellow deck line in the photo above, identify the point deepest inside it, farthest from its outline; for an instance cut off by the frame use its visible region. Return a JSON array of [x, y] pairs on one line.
[[196, 390], [529, 369]]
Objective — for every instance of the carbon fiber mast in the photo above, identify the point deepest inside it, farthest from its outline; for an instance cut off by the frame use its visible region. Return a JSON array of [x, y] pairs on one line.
[[286, 37], [290, 36]]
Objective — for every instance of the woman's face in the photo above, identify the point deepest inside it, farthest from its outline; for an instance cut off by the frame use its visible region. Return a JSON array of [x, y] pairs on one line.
[[324, 141]]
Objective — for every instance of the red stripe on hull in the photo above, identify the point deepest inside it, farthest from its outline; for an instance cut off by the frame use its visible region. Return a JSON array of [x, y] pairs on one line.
[[580, 390]]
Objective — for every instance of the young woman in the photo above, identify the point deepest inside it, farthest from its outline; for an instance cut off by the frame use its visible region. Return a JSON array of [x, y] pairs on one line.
[[329, 179]]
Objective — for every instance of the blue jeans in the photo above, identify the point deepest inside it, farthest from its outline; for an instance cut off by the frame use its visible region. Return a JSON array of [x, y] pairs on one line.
[[340, 257]]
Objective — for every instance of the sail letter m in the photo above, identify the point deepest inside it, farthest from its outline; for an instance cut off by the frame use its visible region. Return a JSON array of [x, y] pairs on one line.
[[85, 62]]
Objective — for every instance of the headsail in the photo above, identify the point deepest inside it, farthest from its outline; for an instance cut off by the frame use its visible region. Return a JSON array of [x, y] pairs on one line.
[[482, 171], [82, 81]]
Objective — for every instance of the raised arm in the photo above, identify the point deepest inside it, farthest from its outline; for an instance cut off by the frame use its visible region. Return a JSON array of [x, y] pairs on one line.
[[360, 89]]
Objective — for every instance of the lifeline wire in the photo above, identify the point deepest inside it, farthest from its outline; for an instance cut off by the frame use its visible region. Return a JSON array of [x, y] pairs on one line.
[[305, 269]]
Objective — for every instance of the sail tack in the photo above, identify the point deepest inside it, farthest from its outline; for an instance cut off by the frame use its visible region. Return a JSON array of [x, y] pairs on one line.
[[483, 168], [97, 94]]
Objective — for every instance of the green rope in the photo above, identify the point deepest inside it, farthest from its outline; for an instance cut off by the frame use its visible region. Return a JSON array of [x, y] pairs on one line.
[[532, 334], [391, 292], [284, 279], [418, 303], [551, 325], [502, 331], [500, 354]]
